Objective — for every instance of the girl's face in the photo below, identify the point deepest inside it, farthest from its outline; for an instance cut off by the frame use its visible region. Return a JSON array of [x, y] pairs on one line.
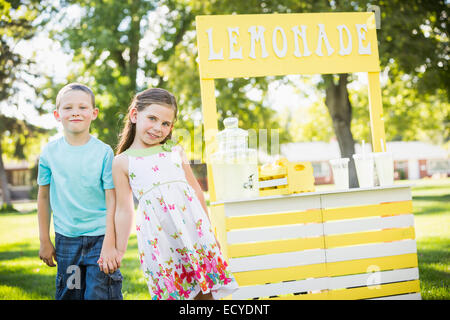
[[153, 124]]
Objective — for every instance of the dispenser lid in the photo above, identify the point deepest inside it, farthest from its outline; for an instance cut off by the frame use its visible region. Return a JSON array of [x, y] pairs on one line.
[[231, 129], [230, 122]]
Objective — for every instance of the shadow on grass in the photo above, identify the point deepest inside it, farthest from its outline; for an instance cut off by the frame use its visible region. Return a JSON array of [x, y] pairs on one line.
[[21, 269], [18, 213], [21, 250], [444, 198], [31, 277], [433, 257], [430, 187], [432, 204]]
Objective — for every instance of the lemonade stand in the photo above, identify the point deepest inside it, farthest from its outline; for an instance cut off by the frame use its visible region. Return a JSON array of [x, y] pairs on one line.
[[338, 244]]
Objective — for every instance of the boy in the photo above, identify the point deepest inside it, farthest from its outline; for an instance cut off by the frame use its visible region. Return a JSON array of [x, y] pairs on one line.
[[75, 182]]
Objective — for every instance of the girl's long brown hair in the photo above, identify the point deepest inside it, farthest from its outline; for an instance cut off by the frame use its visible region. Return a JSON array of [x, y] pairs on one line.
[[140, 102]]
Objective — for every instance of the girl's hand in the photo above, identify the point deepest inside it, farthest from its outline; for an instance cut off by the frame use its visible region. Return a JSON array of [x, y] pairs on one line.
[[109, 260]]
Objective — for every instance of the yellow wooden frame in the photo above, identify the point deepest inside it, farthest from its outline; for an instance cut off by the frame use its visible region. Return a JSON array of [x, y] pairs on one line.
[[221, 38]]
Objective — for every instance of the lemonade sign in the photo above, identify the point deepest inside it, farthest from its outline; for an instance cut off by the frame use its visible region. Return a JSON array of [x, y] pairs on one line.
[[281, 44]]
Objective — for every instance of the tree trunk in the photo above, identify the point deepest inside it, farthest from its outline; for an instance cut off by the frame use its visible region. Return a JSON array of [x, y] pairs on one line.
[[340, 109], [6, 194], [134, 38]]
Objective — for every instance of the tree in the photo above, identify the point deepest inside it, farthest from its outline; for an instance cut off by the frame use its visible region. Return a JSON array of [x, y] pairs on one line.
[[409, 114], [19, 21]]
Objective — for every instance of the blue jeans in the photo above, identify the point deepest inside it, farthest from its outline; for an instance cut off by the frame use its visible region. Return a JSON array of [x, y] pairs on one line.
[[79, 276]]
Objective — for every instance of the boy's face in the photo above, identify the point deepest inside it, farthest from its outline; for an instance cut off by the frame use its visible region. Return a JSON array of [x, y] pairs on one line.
[[76, 112]]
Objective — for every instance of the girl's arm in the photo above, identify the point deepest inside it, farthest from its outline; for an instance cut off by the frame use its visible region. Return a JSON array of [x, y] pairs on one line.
[[192, 180], [124, 202], [190, 177], [47, 250]]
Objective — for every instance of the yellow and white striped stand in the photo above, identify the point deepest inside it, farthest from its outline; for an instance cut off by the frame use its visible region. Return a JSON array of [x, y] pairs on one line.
[[354, 244]]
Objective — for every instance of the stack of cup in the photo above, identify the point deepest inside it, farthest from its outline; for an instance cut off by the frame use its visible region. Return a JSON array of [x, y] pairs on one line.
[[340, 172], [384, 164], [364, 169]]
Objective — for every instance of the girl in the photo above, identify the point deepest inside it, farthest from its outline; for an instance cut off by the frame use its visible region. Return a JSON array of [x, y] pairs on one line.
[[179, 254]]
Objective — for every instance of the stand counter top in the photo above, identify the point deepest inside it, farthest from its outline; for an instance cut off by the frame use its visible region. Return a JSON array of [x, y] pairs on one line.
[[306, 194]]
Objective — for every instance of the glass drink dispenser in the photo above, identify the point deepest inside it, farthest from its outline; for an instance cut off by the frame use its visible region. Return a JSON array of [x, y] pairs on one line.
[[235, 166]]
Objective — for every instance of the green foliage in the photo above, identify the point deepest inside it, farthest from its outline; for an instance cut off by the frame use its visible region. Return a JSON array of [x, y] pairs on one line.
[[408, 114], [19, 21], [107, 42], [7, 208], [413, 40]]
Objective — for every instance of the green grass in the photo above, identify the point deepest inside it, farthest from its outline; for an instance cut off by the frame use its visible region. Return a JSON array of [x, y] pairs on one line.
[[24, 276], [431, 205]]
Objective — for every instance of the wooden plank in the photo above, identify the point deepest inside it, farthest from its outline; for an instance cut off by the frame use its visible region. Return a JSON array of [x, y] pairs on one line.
[[324, 295], [325, 283], [384, 209], [375, 291], [217, 217], [278, 260], [274, 192], [373, 278], [340, 240], [275, 233], [376, 112], [358, 293], [281, 288], [365, 198], [409, 296], [270, 247], [279, 204], [366, 224], [365, 265], [371, 250], [272, 183], [249, 278], [209, 110], [268, 220]]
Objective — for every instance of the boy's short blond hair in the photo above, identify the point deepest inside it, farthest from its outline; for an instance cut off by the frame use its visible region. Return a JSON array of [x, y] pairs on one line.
[[74, 86]]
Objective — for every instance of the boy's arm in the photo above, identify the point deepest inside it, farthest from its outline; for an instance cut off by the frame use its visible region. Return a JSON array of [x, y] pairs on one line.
[[109, 261], [47, 250]]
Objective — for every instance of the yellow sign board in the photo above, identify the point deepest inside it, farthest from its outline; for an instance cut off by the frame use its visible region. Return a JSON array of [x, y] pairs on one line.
[[281, 44]]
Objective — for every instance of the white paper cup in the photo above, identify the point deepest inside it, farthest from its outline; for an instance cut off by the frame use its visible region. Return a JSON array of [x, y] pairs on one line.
[[384, 164], [364, 169], [340, 172]]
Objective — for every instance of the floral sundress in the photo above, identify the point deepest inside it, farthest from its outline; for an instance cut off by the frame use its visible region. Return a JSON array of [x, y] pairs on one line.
[[177, 248]]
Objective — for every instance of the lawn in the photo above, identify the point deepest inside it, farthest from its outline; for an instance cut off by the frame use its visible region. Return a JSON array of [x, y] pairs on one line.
[[24, 276]]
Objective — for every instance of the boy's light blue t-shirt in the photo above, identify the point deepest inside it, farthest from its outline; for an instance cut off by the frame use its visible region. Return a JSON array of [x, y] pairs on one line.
[[78, 177]]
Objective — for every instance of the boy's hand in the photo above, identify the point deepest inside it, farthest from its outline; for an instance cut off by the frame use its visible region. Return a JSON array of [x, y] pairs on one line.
[[109, 260], [47, 253]]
